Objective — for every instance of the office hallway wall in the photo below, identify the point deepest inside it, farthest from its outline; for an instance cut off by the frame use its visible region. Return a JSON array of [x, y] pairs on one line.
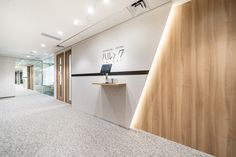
[[190, 93], [7, 77]]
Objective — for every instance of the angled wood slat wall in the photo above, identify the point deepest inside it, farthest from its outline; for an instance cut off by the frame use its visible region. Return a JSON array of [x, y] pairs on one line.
[[190, 93]]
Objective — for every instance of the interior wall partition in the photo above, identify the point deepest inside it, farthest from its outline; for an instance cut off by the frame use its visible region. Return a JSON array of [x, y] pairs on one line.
[[190, 93]]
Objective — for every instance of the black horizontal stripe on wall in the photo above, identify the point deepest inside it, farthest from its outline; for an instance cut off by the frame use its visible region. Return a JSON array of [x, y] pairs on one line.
[[140, 72]]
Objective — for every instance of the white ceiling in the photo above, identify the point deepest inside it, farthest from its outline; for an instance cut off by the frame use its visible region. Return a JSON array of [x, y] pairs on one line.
[[23, 21]]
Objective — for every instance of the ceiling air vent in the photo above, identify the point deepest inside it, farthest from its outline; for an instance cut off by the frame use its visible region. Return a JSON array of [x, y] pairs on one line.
[[138, 7], [50, 36], [60, 46]]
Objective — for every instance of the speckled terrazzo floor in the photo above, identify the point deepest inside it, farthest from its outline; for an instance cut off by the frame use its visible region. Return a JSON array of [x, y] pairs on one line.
[[32, 124]]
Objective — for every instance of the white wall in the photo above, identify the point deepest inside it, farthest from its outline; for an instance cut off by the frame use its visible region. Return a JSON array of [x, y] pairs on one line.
[[7, 77], [140, 38]]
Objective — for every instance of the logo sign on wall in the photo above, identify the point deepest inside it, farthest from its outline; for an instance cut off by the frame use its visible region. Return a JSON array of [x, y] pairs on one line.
[[113, 55]]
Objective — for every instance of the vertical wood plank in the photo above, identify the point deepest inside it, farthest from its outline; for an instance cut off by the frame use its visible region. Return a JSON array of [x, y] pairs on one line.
[[190, 94]]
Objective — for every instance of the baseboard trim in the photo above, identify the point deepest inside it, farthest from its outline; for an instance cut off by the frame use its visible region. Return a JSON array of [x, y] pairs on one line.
[[7, 97]]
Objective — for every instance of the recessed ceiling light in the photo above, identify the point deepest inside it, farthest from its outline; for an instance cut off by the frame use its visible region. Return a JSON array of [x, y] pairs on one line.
[[43, 45], [77, 22], [28, 56], [106, 1], [90, 10], [60, 33], [33, 51]]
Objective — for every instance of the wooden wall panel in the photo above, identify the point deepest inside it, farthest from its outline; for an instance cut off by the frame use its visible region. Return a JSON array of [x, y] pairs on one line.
[[190, 93], [67, 76]]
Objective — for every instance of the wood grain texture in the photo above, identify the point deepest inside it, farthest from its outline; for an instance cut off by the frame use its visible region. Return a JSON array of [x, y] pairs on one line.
[[60, 72], [190, 93], [67, 76], [30, 75]]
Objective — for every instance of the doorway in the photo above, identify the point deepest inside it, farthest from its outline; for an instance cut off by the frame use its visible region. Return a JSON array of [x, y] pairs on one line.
[[60, 76], [64, 76], [68, 76], [30, 70]]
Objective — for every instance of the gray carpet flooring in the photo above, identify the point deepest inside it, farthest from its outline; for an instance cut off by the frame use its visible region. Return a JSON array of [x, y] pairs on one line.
[[36, 125]]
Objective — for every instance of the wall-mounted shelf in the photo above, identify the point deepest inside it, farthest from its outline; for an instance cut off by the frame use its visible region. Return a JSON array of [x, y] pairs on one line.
[[110, 84]]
